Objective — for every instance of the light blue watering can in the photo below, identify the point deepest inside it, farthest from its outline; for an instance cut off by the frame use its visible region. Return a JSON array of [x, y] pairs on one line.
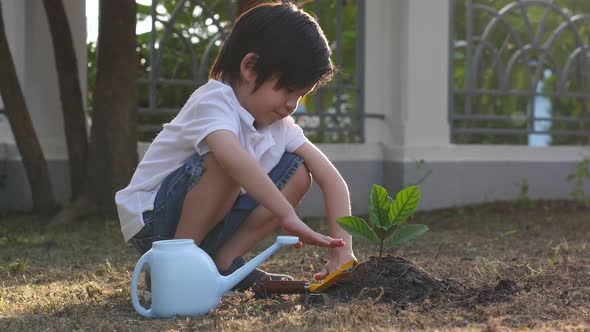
[[185, 280]]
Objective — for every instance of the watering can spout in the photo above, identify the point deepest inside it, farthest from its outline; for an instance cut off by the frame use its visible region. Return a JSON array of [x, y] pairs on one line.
[[228, 282]]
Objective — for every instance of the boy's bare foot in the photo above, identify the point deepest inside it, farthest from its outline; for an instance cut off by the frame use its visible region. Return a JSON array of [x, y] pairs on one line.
[[336, 261]]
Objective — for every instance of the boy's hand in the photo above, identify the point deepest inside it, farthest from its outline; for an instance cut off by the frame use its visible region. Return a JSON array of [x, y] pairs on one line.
[[294, 226], [337, 260]]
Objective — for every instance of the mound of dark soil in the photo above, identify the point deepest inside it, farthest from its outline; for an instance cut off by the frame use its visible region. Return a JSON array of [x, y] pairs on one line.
[[389, 279], [397, 280]]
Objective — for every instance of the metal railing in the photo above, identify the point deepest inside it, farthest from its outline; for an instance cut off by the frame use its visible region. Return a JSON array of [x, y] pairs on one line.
[[186, 37], [520, 72]]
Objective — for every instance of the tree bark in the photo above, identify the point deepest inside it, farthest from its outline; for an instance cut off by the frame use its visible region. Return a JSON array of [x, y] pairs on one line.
[[113, 137], [23, 130], [70, 93]]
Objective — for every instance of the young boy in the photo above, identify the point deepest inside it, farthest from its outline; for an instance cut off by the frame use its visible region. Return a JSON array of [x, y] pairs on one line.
[[232, 165]]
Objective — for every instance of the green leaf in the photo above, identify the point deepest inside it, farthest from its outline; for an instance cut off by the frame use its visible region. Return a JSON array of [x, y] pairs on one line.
[[406, 233], [357, 227], [406, 202], [379, 206]]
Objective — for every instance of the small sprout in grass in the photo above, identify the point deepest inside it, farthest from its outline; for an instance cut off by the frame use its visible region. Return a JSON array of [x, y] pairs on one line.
[[579, 176], [105, 268], [108, 266], [523, 198], [387, 216]]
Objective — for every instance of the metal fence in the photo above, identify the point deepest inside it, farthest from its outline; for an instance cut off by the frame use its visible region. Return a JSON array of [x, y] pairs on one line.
[[185, 38], [520, 72]]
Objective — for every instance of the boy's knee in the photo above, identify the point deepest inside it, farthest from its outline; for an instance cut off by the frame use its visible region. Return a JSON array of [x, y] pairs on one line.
[[302, 180]]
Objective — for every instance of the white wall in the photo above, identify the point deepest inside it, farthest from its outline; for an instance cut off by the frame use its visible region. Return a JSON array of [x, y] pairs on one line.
[[382, 72], [425, 73]]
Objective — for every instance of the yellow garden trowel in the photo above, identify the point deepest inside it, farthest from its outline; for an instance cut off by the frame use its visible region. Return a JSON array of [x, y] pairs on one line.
[[267, 287]]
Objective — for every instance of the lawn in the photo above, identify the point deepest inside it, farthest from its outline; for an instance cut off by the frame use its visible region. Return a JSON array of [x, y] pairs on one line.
[[77, 277]]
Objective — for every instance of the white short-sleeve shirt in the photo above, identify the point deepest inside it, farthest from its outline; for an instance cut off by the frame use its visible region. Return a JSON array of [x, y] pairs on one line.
[[212, 107]]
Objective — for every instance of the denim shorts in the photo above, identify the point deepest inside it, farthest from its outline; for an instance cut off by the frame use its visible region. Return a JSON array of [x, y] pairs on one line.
[[161, 222]]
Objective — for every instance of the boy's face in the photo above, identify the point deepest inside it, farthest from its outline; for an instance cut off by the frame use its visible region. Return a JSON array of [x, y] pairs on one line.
[[268, 104]]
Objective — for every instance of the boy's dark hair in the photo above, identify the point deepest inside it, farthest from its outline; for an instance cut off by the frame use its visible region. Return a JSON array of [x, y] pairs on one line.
[[290, 45]]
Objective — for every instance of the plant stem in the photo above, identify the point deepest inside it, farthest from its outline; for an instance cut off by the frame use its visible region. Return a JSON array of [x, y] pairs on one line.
[[381, 249]]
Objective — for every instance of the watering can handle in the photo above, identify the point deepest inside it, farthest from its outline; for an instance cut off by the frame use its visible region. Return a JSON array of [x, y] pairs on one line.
[[134, 281]]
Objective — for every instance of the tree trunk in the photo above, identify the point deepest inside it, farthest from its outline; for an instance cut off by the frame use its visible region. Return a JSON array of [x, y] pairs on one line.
[[70, 93], [23, 130], [113, 137]]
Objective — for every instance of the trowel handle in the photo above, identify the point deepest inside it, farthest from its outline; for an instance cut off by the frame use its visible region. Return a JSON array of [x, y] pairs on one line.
[[268, 287], [134, 284]]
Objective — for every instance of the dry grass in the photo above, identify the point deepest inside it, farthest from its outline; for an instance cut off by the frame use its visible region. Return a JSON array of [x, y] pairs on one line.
[[77, 277]]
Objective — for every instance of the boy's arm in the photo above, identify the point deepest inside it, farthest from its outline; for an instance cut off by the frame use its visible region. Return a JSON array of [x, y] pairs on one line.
[[336, 200], [245, 170]]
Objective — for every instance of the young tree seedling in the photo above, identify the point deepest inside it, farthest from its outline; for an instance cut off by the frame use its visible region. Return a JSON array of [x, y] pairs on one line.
[[387, 216]]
